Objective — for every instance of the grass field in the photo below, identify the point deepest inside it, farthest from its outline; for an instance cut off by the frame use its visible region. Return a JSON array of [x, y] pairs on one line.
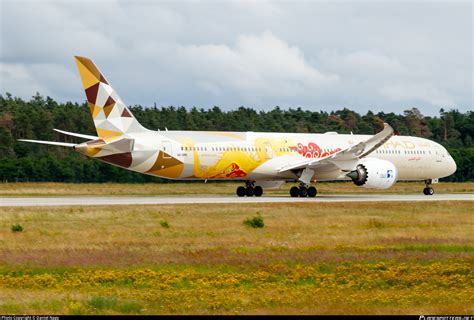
[[323, 258], [199, 188]]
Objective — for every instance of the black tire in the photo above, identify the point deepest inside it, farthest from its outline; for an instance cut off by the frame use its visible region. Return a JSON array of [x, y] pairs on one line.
[[428, 191], [258, 191], [241, 191], [312, 192], [294, 192], [303, 191], [249, 191]]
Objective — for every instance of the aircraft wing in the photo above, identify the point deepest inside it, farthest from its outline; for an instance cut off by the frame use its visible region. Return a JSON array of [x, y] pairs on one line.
[[344, 158], [54, 143]]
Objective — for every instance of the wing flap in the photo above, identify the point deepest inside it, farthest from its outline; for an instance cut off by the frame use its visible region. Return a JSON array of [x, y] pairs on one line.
[[308, 162]]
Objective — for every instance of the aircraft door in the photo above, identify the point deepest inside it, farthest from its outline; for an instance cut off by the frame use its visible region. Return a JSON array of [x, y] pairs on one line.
[[268, 150], [167, 150], [438, 155]]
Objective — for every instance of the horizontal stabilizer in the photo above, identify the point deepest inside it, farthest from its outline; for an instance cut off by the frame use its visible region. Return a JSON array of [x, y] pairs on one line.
[[53, 143], [79, 135], [120, 145]]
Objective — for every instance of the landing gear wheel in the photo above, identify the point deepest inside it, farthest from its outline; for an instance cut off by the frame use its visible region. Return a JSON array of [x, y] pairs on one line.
[[241, 191], [312, 192], [303, 191], [249, 191], [428, 191], [294, 192], [257, 191]]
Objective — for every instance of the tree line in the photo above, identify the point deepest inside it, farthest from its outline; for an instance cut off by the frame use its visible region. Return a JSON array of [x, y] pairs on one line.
[[36, 118]]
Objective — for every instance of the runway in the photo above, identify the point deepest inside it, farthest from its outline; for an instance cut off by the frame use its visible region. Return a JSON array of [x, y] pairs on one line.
[[161, 200]]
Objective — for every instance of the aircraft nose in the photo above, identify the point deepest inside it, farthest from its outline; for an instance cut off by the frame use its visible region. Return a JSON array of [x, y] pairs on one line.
[[452, 167]]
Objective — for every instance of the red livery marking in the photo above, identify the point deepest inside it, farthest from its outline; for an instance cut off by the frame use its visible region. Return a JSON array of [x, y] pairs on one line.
[[312, 150], [232, 171], [235, 171]]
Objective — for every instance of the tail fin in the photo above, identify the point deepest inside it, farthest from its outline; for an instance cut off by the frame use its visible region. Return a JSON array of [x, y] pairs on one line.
[[111, 116]]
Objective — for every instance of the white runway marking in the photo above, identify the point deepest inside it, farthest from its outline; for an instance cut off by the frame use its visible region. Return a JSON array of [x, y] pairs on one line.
[[137, 200]]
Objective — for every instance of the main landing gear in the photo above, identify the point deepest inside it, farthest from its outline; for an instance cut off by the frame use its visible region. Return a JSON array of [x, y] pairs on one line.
[[428, 190], [249, 190], [303, 191]]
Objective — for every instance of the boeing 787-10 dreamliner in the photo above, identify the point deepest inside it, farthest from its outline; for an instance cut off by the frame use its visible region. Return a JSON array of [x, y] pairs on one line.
[[261, 160]]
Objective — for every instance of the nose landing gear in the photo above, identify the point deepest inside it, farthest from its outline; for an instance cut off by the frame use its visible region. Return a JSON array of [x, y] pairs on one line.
[[428, 190], [249, 190]]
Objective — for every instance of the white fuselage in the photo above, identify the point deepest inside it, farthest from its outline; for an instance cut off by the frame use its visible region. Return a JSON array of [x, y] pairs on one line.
[[258, 155], [252, 156]]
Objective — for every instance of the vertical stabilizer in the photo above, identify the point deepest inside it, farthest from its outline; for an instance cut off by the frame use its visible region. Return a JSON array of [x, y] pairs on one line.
[[111, 116]]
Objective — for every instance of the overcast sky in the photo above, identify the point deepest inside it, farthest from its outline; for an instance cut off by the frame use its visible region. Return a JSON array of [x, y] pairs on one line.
[[363, 55]]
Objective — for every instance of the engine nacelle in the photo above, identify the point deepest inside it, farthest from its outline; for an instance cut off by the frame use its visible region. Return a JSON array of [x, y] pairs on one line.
[[374, 174]]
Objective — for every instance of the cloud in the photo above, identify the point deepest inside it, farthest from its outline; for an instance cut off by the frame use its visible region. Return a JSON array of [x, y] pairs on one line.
[[420, 93], [52, 36], [364, 62], [375, 74], [383, 55], [258, 66], [13, 74]]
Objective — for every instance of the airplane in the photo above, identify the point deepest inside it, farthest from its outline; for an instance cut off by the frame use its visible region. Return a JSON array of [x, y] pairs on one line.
[[261, 160]]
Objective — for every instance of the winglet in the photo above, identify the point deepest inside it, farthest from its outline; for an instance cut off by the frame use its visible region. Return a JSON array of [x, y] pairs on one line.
[[378, 139]]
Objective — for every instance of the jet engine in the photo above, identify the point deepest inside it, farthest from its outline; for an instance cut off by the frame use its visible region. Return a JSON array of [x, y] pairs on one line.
[[374, 174]]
